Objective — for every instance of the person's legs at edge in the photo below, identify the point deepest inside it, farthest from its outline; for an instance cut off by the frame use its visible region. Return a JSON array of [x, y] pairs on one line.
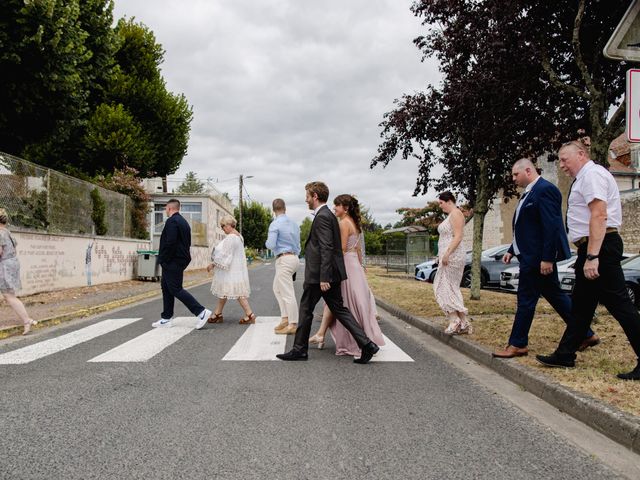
[[16, 304]]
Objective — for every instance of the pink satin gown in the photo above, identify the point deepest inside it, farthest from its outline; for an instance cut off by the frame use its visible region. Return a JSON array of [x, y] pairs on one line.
[[358, 298]]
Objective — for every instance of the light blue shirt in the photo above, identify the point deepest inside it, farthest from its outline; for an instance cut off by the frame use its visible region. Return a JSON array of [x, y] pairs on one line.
[[284, 236]]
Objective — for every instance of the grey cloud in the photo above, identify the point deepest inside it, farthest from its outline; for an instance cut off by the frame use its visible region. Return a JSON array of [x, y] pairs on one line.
[[291, 91]]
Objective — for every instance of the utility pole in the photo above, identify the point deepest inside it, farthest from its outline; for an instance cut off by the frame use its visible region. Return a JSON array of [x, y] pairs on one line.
[[240, 202], [240, 208]]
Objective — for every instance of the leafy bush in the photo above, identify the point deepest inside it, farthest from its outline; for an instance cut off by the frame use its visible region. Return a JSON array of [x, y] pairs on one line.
[[98, 213]]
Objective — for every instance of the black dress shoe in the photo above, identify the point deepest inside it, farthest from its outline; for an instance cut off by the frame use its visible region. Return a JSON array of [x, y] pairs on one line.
[[632, 375], [293, 356], [368, 351], [554, 360]]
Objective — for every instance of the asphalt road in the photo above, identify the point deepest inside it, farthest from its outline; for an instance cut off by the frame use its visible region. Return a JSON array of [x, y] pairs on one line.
[[185, 413]]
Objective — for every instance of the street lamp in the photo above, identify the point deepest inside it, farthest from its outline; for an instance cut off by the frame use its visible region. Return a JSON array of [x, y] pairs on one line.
[[240, 203]]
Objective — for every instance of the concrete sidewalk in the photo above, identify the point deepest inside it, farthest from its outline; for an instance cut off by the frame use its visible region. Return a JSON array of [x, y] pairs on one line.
[[57, 306]]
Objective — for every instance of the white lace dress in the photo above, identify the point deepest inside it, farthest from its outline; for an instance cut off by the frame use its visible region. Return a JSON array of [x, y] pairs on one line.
[[446, 285], [230, 275]]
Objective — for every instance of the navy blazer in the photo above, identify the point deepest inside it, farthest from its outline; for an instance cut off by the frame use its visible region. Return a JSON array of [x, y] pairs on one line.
[[323, 257], [540, 229], [175, 242]]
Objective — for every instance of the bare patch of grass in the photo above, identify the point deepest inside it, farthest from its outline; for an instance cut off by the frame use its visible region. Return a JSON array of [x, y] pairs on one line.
[[493, 314]]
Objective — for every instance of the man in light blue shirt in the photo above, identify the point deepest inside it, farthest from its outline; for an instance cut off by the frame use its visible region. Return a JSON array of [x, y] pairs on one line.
[[284, 241]]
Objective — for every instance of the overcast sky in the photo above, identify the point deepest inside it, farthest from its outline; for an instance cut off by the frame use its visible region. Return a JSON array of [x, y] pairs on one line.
[[290, 91]]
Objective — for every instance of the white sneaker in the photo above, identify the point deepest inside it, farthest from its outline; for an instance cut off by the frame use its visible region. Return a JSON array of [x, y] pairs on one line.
[[163, 322], [202, 318]]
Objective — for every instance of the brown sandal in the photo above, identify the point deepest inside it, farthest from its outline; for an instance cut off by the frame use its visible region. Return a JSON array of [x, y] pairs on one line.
[[215, 318], [247, 320]]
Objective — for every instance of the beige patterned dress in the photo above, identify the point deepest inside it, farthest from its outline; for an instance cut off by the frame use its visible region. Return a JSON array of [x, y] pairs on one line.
[[446, 285], [9, 266]]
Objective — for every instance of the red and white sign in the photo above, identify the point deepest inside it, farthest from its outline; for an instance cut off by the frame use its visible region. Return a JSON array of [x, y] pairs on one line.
[[633, 105]]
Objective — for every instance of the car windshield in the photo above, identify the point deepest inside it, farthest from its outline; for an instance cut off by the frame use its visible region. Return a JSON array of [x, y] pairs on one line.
[[489, 252], [632, 263]]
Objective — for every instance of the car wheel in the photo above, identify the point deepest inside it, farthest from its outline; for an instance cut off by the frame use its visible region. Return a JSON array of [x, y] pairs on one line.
[[466, 279], [432, 277], [632, 294]]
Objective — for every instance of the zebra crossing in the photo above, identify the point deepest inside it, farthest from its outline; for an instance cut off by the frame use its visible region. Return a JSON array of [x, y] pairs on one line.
[[258, 342]]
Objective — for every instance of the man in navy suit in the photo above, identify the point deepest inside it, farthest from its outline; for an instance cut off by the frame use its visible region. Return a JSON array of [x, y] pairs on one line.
[[539, 241]]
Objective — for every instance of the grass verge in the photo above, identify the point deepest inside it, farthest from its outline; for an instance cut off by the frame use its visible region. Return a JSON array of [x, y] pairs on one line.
[[492, 320]]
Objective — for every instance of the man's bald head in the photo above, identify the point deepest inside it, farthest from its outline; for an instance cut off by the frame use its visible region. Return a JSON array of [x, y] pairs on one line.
[[524, 172]]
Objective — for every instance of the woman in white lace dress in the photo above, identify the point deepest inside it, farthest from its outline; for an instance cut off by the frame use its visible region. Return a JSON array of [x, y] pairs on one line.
[[451, 262], [230, 277], [10, 273]]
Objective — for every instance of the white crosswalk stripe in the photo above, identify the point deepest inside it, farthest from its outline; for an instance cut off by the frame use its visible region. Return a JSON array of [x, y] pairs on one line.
[[390, 352], [63, 342], [149, 344], [259, 342]]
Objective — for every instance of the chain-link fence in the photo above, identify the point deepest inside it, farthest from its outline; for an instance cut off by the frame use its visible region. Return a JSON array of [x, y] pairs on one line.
[[42, 199]]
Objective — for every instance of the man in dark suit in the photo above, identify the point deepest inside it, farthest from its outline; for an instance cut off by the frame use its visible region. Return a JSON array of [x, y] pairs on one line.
[[324, 271], [539, 241], [174, 257]]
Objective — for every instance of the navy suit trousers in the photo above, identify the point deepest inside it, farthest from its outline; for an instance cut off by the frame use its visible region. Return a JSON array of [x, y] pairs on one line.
[[531, 286], [172, 275]]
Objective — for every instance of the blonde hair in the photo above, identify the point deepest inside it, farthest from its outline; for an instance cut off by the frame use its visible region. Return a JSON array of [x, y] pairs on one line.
[[228, 220], [4, 216]]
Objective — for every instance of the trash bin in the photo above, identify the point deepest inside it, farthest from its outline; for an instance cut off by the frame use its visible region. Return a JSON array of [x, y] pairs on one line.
[[148, 267]]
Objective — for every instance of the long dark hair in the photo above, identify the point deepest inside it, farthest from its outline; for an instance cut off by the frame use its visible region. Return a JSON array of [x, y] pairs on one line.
[[352, 206]]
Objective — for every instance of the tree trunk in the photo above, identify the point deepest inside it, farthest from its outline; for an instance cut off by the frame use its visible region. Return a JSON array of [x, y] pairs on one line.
[[480, 210]]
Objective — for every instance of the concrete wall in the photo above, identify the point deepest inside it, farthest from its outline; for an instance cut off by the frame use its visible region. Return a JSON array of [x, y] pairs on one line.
[[53, 262]]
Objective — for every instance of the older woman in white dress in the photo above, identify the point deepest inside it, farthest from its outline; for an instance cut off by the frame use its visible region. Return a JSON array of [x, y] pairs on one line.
[[230, 277], [451, 262]]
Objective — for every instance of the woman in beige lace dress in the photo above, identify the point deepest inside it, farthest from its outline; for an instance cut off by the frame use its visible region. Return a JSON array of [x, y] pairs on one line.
[[451, 262]]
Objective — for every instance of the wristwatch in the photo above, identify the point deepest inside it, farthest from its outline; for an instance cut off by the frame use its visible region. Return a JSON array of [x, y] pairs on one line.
[[592, 257]]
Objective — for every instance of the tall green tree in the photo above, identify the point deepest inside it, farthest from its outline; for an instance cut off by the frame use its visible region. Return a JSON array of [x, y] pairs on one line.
[[138, 85], [305, 229], [43, 45], [191, 184], [255, 224]]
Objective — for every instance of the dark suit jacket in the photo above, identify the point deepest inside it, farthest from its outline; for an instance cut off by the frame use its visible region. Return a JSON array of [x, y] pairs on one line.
[[323, 251], [540, 230], [175, 242]]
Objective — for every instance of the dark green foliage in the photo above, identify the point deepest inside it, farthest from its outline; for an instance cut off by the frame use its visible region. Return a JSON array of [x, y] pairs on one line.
[[78, 95], [305, 229], [127, 182], [255, 224], [98, 213]]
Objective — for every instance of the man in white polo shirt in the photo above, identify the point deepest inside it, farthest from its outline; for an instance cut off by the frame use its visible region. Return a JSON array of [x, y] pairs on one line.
[[594, 216]]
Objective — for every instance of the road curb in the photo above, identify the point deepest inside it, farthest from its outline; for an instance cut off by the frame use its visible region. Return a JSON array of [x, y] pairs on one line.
[[619, 426], [94, 310]]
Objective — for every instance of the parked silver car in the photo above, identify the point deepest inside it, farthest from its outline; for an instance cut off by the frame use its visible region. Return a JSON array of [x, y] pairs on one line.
[[509, 278], [491, 267]]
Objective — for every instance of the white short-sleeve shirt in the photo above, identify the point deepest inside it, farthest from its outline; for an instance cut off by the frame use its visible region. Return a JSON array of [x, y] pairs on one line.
[[593, 182]]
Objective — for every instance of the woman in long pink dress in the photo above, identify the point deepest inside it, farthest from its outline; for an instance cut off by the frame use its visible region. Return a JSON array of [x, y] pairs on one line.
[[451, 262], [355, 289]]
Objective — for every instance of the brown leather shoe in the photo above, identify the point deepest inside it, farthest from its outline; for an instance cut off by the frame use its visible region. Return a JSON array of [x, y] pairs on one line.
[[511, 352], [592, 341]]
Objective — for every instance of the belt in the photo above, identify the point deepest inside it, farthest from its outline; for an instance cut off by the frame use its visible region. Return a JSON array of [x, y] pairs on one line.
[[583, 240], [284, 253]]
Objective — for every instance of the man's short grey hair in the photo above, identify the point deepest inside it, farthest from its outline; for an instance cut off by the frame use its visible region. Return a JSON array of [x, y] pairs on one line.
[[578, 145]]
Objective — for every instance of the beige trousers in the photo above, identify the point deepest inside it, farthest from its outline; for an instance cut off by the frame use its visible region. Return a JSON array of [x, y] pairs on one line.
[[286, 265]]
